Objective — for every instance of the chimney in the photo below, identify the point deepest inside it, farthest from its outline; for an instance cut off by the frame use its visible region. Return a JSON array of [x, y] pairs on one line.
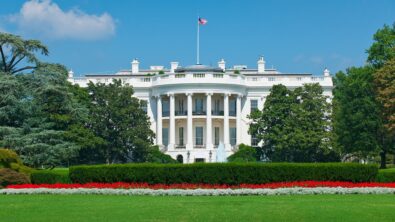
[[261, 65], [71, 74], [326, 72], [135, 66], [173, 66], [221, 64]]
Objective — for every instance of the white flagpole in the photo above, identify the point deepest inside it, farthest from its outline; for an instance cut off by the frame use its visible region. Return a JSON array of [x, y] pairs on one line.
[[197, 46]]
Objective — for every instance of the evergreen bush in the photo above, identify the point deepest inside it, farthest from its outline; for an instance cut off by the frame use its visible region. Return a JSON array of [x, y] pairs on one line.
[[49, 177], [223, 173]]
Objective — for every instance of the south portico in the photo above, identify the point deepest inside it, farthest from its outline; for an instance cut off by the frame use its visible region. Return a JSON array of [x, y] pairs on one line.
[[191, 125]]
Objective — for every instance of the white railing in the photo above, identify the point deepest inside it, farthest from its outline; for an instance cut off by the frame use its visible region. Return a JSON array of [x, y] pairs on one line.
[[213, 78]]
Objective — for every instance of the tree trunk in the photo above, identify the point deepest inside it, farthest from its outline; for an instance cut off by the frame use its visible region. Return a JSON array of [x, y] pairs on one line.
[[383, 159]]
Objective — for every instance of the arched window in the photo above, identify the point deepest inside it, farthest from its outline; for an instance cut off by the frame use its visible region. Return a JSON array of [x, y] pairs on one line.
[[180, 159]]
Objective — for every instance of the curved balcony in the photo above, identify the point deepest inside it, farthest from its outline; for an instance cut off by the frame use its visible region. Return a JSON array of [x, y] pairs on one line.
[[198, 78]]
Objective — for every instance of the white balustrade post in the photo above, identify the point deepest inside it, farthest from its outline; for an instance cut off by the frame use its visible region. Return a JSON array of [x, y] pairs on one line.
[[209, 144], [172, 130], [226, 122], [189, 144], [159, 121]]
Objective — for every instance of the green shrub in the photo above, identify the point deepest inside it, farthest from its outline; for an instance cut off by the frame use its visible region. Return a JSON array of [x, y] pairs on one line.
[[156, 156], [244, 154], [50, 176], [7, 157], [223, 173], [387, 175], [9, 177]]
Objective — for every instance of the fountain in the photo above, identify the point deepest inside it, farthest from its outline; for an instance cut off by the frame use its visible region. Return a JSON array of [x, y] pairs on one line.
[[221, 154]]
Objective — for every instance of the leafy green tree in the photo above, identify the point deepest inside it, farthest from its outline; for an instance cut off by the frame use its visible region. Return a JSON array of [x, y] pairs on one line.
[[356, 113], [14, 50], [116, 117], [310, 137], [13, 101], [270, 124], [41, 139], [384, 79], [383, 47], [295, 125], [154, 155], [244, 154]]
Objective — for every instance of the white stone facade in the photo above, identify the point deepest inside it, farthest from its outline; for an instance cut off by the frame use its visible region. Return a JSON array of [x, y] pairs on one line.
[[194, 109]]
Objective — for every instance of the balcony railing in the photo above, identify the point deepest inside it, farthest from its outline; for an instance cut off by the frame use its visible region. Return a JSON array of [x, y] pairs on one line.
[[181, 112], [232, 112], [180, 146], [217, 112], [165, 113], [199, 146], [199, 113]]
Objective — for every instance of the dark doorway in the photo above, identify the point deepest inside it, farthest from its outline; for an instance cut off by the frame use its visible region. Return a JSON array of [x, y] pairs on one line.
[[180, 159]]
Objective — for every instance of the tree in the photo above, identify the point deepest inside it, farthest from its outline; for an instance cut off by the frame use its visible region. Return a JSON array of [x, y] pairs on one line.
[[19, 50], [244, 154], [154, 155], [383, 47], [310, 137], [13, 101], [269, 125], [116, 117], [295, 125], [41, 139], [356, 113], [384, 79]]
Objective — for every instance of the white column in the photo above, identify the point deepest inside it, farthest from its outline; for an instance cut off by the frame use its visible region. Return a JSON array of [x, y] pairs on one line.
[[189, 144], [238, 119], [226, 121], [172, 125], [159, 121], [209, 144]]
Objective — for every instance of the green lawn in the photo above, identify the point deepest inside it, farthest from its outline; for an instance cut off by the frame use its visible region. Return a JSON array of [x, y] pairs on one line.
[[228, 208]]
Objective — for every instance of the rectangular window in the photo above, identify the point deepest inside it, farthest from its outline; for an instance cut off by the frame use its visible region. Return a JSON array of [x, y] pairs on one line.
[[232, 136], [143, 105], [217, 105], [232, 107], [199, 160], [181, 136], [165, 136], [198, 106], [216, 136], [254, 105], [199, 136], [254, 140], [181, 105], [165, 108]]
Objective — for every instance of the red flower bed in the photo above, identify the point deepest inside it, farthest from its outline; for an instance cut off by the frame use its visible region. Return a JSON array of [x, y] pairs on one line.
[[121, 185]]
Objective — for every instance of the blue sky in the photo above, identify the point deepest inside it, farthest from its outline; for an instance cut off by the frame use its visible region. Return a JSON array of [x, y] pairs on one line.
[[93, 36]]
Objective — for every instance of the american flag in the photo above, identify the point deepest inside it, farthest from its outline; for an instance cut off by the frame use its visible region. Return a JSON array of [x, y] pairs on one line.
[[202, 21]]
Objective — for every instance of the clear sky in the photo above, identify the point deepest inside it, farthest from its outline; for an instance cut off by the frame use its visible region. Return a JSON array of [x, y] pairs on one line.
[[94, 36]]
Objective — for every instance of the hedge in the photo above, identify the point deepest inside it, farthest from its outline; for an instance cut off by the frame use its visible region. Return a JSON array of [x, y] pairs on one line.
[[223, 173], [386, 176], [49, 177]]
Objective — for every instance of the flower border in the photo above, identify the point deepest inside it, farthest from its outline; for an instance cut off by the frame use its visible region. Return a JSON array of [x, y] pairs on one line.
[[123, 185], [202, 192]]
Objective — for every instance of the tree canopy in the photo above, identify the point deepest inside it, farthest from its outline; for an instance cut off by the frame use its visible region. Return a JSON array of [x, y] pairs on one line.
[[116, 117], [356, 113], [14, 50], [294, 126], [383, 47]]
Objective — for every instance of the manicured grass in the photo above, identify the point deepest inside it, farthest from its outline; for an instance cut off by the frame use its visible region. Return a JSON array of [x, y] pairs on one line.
[[175, 208]]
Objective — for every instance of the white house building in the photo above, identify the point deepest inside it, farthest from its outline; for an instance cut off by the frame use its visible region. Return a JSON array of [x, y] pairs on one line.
[[194, 109]]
